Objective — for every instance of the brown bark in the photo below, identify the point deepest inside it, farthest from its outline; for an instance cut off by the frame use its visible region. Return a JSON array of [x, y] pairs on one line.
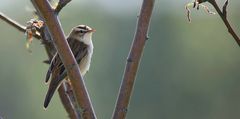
[[133, 60]]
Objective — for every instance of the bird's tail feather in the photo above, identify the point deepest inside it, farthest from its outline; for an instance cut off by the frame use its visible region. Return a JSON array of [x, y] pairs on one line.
[[52, 88], [47, 76]]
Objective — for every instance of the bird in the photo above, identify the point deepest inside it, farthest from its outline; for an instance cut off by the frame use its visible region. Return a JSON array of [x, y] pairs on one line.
[[80, 42]]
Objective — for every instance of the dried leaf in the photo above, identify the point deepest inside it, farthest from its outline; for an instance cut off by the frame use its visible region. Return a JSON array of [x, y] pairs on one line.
[[33, 27], [197, 4]]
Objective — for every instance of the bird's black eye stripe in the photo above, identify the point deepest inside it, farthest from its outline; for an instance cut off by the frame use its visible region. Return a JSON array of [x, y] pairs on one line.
[[81, 31]]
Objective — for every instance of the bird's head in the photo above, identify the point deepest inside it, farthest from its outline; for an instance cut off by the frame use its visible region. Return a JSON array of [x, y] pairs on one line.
[[82, 33]]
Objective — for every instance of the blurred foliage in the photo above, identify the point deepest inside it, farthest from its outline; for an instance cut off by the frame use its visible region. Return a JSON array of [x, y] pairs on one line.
[[188, 71]]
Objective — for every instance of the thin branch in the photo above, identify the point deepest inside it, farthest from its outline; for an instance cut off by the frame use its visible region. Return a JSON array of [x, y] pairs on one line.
[[224, 18], [15, 24], [12, 22], [133, 60], [65, 93], [48, 46], [65, 53], [61, 4], [225, 9]]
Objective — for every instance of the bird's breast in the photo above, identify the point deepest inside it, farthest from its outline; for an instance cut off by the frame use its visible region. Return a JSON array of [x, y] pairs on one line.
[[84, 65]]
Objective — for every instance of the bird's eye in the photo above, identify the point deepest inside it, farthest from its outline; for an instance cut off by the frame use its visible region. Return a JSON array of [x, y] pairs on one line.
[[81, 31]]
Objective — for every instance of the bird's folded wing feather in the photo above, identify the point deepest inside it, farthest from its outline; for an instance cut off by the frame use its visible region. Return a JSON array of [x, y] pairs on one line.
[[57, 69]]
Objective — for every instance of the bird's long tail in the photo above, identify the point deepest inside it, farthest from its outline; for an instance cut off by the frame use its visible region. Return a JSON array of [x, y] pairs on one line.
[[55, 82]]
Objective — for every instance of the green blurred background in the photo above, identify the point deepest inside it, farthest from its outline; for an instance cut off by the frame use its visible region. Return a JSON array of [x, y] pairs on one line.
[[188, 71]]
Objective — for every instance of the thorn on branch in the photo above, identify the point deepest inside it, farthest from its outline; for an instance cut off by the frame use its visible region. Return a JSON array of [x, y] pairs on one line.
[[61, 4], [125, 110], [46, 61], [225, 9], [129, 59], [147, 37]]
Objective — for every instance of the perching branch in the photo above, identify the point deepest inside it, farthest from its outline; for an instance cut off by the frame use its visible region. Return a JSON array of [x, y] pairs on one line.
[[133, 60], [223, 15], [68, 99], [51, 20]]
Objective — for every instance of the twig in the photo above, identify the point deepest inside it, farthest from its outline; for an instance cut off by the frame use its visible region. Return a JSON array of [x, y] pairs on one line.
[[64, 51], [223, 15], [225, 8], [15, 24], [133, 60], [61, 4], [48, 46]]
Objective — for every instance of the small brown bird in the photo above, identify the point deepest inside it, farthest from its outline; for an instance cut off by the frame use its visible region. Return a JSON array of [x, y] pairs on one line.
[[80, 41]]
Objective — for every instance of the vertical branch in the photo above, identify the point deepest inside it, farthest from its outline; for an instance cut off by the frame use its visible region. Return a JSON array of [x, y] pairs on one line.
[[133, 60], [65, 53]]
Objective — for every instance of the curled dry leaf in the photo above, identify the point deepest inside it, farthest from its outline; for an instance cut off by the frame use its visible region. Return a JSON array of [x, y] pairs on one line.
[[33, 27], [197, 4]]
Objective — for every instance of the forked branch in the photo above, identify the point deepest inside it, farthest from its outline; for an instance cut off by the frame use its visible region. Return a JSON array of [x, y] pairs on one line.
[[61, 4], [223, 15]]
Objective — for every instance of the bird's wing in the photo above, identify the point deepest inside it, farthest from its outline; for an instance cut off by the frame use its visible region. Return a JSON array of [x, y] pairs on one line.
[[57, 69], [55, 61]]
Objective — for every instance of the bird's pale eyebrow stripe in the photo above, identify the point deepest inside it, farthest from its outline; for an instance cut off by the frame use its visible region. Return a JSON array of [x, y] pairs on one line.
[[83, 27]]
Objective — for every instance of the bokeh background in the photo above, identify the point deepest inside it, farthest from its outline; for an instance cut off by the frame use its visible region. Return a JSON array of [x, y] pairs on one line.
[[188, 71]]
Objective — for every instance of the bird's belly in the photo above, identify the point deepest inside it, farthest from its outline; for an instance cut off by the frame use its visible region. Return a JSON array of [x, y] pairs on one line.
[[85, 64]]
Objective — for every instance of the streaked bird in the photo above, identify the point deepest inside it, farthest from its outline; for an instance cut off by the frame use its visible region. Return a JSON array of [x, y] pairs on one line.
[[80, 41]]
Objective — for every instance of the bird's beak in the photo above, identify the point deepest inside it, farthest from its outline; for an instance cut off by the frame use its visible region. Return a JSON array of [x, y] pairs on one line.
[[93, 30]]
